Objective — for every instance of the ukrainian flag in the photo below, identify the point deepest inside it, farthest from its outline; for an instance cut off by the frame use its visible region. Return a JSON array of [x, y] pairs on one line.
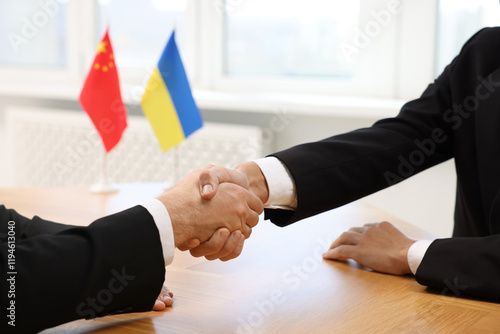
[[168, 102]]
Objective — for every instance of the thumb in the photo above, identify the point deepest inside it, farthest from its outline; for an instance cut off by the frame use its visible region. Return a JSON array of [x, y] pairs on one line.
[[209, 183], [211, 176]]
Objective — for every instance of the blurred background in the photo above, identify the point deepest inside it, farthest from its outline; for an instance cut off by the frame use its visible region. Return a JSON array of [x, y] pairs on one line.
[[266, 75]]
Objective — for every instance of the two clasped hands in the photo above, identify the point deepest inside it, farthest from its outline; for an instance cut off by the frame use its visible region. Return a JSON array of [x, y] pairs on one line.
[[213, 211]]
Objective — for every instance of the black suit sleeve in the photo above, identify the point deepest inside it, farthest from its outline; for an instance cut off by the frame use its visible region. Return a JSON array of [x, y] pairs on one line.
[[343, 168], [463, 266], [340, 169], [65, 273]]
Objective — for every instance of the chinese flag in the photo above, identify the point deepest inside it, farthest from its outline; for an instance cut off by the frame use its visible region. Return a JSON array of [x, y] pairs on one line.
[[101, 97]]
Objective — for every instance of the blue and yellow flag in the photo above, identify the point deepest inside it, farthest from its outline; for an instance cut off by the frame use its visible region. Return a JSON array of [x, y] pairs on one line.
[[168, 102]]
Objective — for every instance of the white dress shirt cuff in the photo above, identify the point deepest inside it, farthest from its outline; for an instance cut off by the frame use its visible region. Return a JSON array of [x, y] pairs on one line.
[[282, 192], [164, 225], [416, 254]]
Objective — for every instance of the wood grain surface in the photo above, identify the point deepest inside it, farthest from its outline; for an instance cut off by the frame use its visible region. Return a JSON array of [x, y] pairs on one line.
[[280, 283]]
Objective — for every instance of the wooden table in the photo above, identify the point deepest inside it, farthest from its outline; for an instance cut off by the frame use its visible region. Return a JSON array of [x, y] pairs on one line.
[[279, 284]]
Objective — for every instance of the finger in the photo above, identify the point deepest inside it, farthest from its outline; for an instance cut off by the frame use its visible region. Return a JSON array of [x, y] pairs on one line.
[[246, 231], [341, 253], [190, 244], [252, 218], [346, 238], [158, 305], [212, 245], [236, 252], [164, 299], [229, 247], [212, 176], [357, 229], [209, 182], [255, 203], [167, 291]]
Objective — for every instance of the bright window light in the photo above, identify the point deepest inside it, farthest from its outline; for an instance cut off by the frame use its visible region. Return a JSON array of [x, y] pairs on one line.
[[139, 29], [458, 21], [288, 38], [33, 33]]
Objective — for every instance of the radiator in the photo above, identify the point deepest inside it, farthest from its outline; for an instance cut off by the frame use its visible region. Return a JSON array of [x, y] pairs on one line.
[[62, 148]]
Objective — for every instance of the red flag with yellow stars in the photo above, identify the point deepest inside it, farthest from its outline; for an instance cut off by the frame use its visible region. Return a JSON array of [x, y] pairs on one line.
[[101, 97]]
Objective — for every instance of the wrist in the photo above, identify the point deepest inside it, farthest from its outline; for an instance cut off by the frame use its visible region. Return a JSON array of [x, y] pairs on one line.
[[404, 257], [256, 180], [174, 206]]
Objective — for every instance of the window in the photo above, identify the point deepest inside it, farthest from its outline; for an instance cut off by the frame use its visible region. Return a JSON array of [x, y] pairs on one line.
[[458, 21], [289, 38], [41, 46], [378, 48], [33, 33], [305, 47], [140, 29]]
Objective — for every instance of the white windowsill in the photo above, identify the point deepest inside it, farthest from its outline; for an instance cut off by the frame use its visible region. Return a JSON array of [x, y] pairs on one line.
[[300, 104]]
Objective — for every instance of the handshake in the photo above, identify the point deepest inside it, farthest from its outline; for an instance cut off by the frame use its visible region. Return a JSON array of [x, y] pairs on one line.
[[213, 209]]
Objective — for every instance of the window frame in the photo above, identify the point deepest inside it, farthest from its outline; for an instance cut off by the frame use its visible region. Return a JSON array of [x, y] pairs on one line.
[[203, 57], [57, 82]]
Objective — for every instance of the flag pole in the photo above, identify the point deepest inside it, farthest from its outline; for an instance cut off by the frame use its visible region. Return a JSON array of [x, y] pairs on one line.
[[169, 185], [103, 186]]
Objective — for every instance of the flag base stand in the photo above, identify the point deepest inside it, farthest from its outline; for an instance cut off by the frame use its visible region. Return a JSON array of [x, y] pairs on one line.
[[103, 188]]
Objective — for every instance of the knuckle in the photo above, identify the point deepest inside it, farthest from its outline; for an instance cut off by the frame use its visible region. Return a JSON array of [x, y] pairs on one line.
[[253, 220], [239, 191], [260, 207], [240, 210], [344, 236], [205, 175], [385, 224], [246, 231]]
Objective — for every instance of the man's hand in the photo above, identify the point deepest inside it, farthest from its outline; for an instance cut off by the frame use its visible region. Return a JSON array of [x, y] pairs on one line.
[[233, 207], [222, 245], [164, 299], [380, 247], [212, 174], [250, 174]]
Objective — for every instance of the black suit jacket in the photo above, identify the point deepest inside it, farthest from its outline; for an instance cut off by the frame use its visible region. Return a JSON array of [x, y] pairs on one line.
[[114, 265], [458, 116]]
